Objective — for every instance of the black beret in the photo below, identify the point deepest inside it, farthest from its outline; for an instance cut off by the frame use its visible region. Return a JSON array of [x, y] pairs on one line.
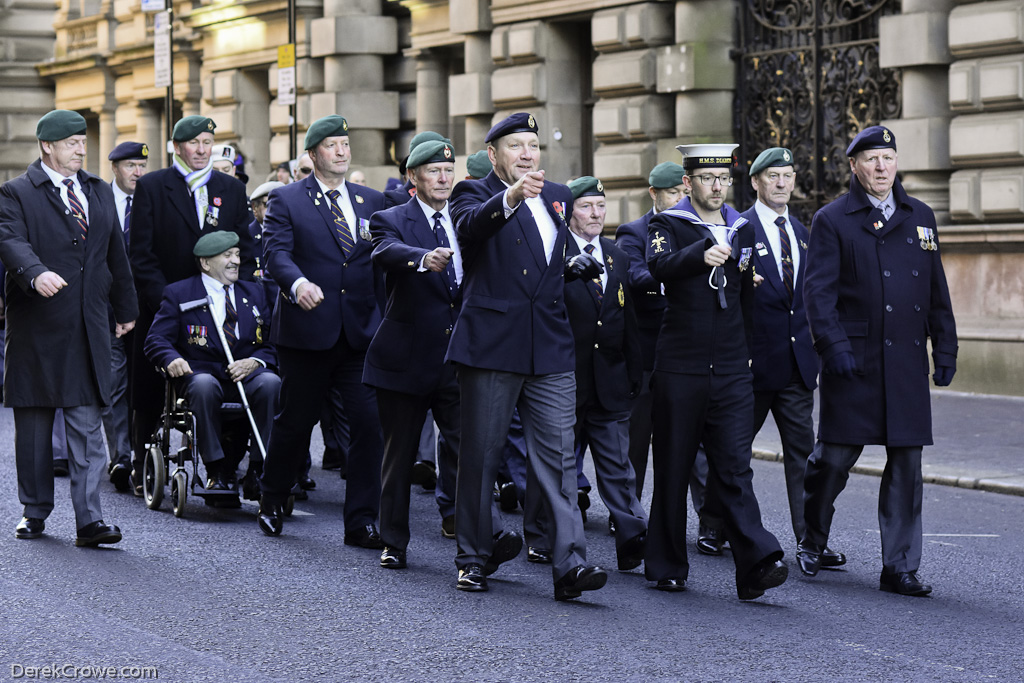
[[326, 127], [478, 164], [191, 127], [665, 175], [872, 137], [586, 186], [516, 123], [431, 152], [59, 124], [129, 150], [707, 155], [771, 157], [214, 243]]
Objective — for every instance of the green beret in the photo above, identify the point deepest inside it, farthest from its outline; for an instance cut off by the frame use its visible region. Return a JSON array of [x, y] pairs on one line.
[[425, 136], [190, 127], [59, 124], [586, 186], [215, 243], [431, 152], [665, 175], [773, 156], [326, 127], [478, 165]]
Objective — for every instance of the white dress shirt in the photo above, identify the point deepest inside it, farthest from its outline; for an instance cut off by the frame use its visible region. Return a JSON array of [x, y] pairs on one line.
[[215, 289], [771, 231], [58, 180], [582, 242], [545, 224], [449, 230], [120, 197]]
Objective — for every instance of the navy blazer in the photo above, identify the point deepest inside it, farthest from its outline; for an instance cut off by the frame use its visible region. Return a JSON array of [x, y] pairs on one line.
[[609, 366], [299, 240], [648, 301], [879, 294], [407, 352], [165, 228], [192, 334], [698, 336], [513, 312], [782, 338]]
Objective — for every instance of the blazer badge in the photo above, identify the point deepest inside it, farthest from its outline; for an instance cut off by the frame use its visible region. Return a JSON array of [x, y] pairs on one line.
[[745, 258], [622, 296]]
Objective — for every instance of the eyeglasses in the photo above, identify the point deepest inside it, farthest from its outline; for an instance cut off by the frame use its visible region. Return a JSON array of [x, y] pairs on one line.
[[709, 180]]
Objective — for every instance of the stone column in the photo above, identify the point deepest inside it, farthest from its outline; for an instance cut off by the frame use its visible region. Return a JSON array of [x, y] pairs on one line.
[[107, 142], [431, 95], [148, 130]]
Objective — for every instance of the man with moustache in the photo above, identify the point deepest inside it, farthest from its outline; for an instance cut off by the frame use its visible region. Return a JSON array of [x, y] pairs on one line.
[[62, 248], [317, 248], [514, 348], [173, 208], [701, 250], [875, 293]]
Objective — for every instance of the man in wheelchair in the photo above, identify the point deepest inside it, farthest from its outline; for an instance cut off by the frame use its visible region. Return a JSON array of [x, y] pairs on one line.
[[185, 342]]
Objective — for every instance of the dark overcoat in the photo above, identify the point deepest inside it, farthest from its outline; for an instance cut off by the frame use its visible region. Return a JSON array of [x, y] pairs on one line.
[[648, 301], [58, 348], [511, 294], [879, 293], [407, 352]]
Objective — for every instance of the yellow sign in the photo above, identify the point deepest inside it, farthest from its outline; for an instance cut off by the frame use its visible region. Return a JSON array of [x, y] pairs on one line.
[[286, 56]]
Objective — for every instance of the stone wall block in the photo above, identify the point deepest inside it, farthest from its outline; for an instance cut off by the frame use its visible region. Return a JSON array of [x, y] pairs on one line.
[[469, 94], [227, 118], [1002, 194], [913, 39], [987, 139], [965, 196], [634, 26], [374, 109], [631, 162], [695, 66], [353, 72], [499, 46], [469, 16], [633, 118], [407, 108], [309, 76], [923, 143], [221, 88], [279, 115], [519, 86], [704, 116], [987, 84], [981, 28], [704, 20], [526, 41], [353, 34], [400, 74], [625, 73], [963, 86]]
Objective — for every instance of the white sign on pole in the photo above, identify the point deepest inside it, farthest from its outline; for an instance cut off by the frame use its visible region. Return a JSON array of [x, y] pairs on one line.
[[162, 50], [153, 5], [286, 74]]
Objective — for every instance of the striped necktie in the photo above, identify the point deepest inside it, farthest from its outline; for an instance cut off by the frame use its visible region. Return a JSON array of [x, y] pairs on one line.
[[442, 241], [127, 217], [230, 318], [76, 208], [348, 245], [786, 256], [595, 284]]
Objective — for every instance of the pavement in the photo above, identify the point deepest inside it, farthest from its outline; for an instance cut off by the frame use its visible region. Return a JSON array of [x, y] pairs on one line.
[[979, 443]]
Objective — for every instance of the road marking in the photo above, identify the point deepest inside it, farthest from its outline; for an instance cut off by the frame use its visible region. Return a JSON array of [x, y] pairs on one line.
[[963, 535]]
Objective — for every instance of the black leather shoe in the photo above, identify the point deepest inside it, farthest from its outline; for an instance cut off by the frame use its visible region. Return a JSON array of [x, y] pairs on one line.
[[904, 583], [538, 556], [216, 484], [137, 482], [365, 537], [392, 558], [472, 579], [808, 559], [448, 526], [764, 575], [709, 540], [334, 459], [271, 518], [251, 485], [580, 579], [29, 527], [631, 554], [60, 468], [424, 475], [507, 546], [120, 477], [96, 533], [299, 492], [306, 483], [830, 559], [583, 500], [508, 499], [671, 585]]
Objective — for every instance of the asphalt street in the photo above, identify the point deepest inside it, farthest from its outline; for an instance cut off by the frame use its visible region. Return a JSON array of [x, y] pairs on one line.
[[209, 598]]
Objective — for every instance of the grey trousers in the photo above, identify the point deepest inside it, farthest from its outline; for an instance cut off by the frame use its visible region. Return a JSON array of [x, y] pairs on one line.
[[900, 499], [33, 446], [115, 416]]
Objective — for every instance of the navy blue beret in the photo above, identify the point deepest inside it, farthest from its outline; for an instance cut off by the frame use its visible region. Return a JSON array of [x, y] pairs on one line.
[[129, 150], [521, 122], [872, 137]]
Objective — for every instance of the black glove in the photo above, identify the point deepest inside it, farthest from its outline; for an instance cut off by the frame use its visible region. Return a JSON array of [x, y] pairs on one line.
[[943, 375], [583, 267], [841, 364]]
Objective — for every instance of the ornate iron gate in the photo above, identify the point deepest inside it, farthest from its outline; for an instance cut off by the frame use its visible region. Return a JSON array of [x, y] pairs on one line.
[[809, 79]]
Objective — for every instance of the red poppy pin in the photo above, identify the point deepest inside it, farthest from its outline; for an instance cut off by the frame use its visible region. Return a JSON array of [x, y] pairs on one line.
[[559, 209], [216, 201]]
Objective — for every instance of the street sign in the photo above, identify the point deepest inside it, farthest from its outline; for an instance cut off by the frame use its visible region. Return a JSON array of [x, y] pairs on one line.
[[162, 50], [153, 6], [286, 74]]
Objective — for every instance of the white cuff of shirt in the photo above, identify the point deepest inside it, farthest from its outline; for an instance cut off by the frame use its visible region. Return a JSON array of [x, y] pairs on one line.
[[295, 286]]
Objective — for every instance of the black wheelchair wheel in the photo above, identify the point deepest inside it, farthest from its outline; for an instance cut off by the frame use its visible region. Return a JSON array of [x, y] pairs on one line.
[[154, 476], [179, 492]]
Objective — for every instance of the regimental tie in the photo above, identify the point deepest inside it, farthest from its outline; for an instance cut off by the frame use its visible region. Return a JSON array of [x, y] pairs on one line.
[[230, 318], [595, 284], [76, 208], [348, 245], [787, 256], [127, 217], [442, 241]]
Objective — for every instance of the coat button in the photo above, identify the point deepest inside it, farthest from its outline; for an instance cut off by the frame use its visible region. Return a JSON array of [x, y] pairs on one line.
[[914, 273], [888, 342], [599, 323], [917, 342], [910, 240], [448, 331], [518, 241], [881, 241], [916, 307], [451, 305], [792, 339], [888, 308], [597, 346], [792, 313], [524, 271], [343, 291], [885, 273]]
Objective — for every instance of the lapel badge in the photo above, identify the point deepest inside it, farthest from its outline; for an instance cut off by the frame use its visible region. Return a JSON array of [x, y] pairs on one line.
[[359, 199], [878, 225], [745, 258], [803, 245], [364, 228], [609, 261], [216, 201], [559, 209]]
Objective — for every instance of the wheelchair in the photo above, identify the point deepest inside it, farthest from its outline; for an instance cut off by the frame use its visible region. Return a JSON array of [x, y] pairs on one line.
[[162, 466]]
